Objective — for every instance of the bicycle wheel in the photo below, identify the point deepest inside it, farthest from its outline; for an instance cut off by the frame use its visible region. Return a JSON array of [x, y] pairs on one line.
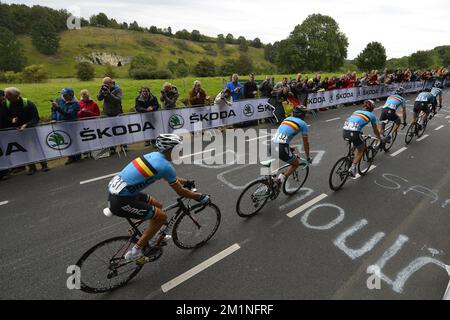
[[389, 132], [410, 133], [296, 180], [103, 267], [253, 198], [422, 128], [194, 228], [366, 161], [339, 174]]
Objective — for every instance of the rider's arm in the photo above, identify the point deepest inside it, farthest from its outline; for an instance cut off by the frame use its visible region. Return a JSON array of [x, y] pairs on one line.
[[404, 113], [183, 192], [376, 131], [306, 146], [440, 100]]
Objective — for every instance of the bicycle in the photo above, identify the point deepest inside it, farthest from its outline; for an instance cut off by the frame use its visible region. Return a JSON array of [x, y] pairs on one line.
[[418, 128], [261, 190], [114, 271], [342, 166]]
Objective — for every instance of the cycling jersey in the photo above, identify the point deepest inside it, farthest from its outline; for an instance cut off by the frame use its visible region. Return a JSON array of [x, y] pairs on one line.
[[394, 102], [141, 173], [359, 119], [436, 92], [289, 128], [425, 97]]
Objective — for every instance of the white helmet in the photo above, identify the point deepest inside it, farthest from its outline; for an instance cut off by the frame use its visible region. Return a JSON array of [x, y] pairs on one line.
[[167, 141]]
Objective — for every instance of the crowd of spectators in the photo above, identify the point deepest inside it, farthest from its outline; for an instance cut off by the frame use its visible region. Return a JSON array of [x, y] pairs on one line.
[[19, 113]]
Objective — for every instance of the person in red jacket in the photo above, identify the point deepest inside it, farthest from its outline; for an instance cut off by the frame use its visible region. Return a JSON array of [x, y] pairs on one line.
[[88, 107]]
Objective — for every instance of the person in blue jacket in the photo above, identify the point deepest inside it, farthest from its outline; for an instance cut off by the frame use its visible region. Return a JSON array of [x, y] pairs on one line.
[[235, 87]]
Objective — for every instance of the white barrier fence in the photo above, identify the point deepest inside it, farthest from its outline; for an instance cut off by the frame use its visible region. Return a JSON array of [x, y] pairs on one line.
[[63, 139]]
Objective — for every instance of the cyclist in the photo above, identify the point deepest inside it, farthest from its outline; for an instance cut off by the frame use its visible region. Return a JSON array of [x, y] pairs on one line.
[[423, 100], [436, 91], [288, 129], [127, 201], [353, 127], [390, 111]]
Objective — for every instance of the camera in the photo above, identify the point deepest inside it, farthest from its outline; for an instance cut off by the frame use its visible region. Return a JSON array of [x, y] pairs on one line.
[[104, 89]]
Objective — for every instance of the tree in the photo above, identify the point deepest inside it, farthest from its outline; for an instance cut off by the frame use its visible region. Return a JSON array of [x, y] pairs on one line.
[[183, 34], [153, 29], [320, 43], [221, 41], [85, 71], [243, 46], [169, 31], [229, 38], [100, 20], [228, 67], [256, 43], [288, 57], [195, 35], [109, 72], [11, 55], [444, 55], [142, 63], [135, 26], [420, 60], [270, 52], [45, 38], [373, 57], [205, 68], [244, 65]]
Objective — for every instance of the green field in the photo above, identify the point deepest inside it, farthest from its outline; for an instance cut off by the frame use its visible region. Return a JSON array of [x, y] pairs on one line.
[[42, 93], [129, 44]]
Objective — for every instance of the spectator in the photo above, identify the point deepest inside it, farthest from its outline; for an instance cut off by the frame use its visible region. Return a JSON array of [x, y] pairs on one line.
[[266, 87], [352, 78], [88, 107], [324, 84], [363, 80], [23, 114], [281, 92], [224, 98], [111, 94], [235, 87], [169, 96], [294, 94], [373, 79], [331, 84], [197, 96], [4, 123], [66, 108], [316, 80], [250, 88], [146, 102], [299, 78]]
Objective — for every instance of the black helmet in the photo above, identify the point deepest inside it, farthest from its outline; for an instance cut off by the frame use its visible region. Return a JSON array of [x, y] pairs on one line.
[[300, 112], [438, 84], [399, 91]]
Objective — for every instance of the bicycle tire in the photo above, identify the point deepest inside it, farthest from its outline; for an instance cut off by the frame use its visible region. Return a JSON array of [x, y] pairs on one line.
[[302, 168], [366, 158], [345, 161], [410, 133], [192, 218], [265, 198], [424, 127], [81, 262], [388, 146]]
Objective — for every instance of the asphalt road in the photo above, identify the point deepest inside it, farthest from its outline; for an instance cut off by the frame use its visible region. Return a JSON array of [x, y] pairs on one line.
[[396, 217]]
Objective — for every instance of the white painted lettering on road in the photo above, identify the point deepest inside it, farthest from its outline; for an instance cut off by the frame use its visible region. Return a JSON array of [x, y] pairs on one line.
[[328, 226]]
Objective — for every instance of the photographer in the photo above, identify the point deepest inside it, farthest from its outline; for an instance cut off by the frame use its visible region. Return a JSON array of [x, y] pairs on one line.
[[250, 88], [146, 102], [224, 98], [197, 96], [169, 96], [111, 94], [235, 87]]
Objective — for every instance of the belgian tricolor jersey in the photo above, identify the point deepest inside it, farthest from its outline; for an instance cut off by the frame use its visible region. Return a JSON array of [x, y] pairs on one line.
[[289, 128], [142, 172], [394, 102], [359, 119]]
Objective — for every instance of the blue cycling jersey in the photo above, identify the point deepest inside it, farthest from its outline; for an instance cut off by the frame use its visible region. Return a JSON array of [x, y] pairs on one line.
[[141, 173], [359, 119], [289, 128], [437, 92], [394, 102], [425, 97]]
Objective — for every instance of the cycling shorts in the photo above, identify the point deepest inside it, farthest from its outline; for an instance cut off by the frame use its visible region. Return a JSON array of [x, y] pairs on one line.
[[391, 115], [133, 207], [284, 152], [421, 106], [355, 137]]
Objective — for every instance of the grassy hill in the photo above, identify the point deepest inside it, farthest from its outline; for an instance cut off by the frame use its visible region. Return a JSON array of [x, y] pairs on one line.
[[129, 43]]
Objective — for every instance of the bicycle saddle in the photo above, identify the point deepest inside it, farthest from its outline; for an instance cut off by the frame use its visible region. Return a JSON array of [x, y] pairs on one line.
[[107, 212], [267, 163]]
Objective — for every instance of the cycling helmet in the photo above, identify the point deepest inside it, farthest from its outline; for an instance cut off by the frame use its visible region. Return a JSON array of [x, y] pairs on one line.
[[299, 112], [399, 91], [369, 105], [438, 84], [167, 141]]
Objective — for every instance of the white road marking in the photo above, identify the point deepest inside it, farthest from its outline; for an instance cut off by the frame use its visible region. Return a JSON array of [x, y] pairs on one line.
[[3, 203], [424, 137], [194, 154], [438, 128], [197, 269], [307, 205], [99, 178], [398, 151], [359, 176], [334, 119], [257, 138], [447, 117], [298, 199]]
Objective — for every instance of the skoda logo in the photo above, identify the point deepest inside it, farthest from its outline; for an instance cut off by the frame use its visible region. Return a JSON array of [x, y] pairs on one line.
[[58, 140], [248, 110], [176, 121]]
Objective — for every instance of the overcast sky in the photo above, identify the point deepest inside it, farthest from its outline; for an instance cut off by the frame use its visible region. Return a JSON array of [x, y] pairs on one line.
[[402, 26]]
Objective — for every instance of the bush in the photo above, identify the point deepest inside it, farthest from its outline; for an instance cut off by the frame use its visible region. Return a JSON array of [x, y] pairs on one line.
[[143, 74], [10, 77], [205, 68], [143, 62], [34, 74], [85, 71]]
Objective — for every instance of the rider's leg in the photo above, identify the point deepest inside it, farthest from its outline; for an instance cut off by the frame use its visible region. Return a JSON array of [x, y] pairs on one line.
[[158, 220], [155, 203], [291, 169], [359, 153]]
